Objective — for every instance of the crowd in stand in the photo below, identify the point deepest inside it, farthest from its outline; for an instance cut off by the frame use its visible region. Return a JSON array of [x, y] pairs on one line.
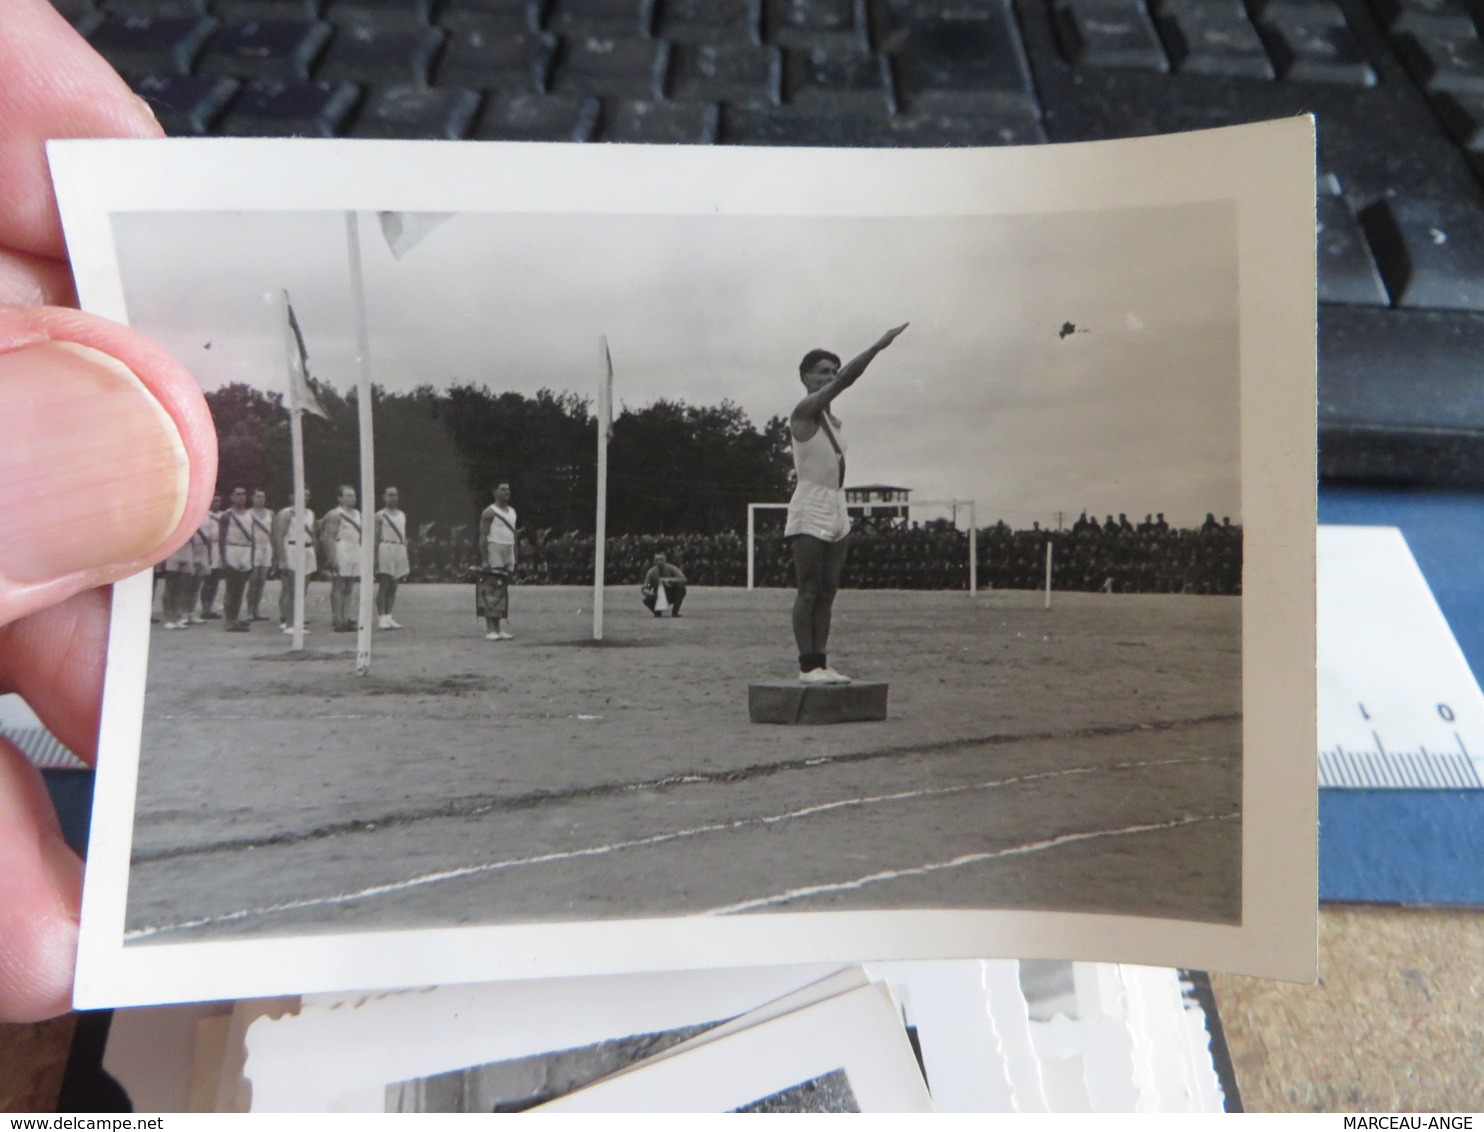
[[1115, 555]]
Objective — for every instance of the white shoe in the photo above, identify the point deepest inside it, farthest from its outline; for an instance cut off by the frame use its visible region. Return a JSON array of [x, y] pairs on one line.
[[391, 622], [507, 636], [194, 620], [170, 625], [494, 636], [817, 676], [837, 677], [383, 622]]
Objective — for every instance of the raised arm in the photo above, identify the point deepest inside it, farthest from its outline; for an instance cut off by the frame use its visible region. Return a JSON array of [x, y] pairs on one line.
[[818, 400]]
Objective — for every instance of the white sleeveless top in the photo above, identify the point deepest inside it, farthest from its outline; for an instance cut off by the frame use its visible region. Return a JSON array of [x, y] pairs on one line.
[[818, 504]]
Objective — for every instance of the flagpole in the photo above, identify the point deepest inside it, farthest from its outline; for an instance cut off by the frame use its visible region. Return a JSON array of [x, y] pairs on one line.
[[600, 544], [368, 454], [296, 444]]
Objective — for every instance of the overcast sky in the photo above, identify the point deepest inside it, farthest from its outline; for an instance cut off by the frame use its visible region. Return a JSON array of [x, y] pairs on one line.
[[983, 397]]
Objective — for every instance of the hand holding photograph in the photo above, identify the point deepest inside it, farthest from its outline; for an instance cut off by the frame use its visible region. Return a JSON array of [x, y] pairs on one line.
[[647, 558]]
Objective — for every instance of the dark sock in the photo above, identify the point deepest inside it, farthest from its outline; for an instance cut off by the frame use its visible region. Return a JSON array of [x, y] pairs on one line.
[[809, 661]]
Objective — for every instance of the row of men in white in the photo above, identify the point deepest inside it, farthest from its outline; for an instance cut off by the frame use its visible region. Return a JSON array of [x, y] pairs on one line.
[[242, 545]]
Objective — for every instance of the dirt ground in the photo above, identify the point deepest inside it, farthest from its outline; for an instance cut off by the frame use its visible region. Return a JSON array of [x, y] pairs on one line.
[[1082, 758]]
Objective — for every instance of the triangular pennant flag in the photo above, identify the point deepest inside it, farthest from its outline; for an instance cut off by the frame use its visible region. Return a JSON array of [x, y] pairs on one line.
[[405, 230]]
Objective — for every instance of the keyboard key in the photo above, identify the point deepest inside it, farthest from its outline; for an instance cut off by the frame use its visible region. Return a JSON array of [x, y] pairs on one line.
[[829, 79], [1452, 63], [416, 112], [158, 8], [621, 68], [1347, 273], [485, 58], [508, 17], [1431, 253], [807, 23], [742, 125], [1398, 11], [1109, 33], [614, 19], [1213, 40], [368, 54], [277, 49], [692, 21], [186, 105], [146, 45], [241, 11], [662, 123], [539, 117], [379, 13], [270, 109], [1462, 116], [739, 73], [982, 127], [1311, 41], [76, 11], [958, 66]]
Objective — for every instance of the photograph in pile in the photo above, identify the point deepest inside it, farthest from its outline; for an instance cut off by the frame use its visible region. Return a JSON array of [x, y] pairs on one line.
[[967, 488]]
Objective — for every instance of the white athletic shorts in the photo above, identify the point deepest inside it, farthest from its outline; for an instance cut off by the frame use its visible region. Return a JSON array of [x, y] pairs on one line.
[[818, 511], [391, 559], [348, 559], [502, 555]]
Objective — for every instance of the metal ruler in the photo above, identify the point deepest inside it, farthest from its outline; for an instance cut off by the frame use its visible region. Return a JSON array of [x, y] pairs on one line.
[[1398, 706]]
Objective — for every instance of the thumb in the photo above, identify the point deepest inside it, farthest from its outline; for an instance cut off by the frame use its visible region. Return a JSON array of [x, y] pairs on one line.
[[108, 460]]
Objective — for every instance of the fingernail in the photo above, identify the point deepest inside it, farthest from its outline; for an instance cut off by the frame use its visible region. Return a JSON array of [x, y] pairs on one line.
[[94, 469]]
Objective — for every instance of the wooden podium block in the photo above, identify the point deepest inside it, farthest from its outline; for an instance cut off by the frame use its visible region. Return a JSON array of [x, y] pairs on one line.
[[792, 702]]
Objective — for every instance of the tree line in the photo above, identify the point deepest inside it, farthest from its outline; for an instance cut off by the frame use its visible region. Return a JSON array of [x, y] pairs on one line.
[[672, 467]]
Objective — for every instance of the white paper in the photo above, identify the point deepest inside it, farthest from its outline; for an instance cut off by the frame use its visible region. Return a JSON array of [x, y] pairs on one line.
[[1245, 197]]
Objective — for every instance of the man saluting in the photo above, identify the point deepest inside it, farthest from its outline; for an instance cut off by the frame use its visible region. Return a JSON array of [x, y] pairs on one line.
[[818, 527]]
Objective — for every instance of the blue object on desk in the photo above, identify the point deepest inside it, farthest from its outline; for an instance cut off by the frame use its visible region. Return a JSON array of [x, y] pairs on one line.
[[1413, 846]]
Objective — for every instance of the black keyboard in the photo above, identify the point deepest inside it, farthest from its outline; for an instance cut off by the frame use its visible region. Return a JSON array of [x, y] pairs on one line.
[[1397, 87]]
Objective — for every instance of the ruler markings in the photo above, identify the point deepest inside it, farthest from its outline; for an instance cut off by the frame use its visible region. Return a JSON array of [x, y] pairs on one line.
[[1419, 769]]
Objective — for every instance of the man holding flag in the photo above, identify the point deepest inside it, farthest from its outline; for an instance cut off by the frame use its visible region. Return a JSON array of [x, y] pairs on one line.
[[294, 550], [293, 539]]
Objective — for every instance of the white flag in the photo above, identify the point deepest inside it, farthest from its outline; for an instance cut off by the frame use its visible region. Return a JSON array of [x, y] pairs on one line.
[[301, 393]]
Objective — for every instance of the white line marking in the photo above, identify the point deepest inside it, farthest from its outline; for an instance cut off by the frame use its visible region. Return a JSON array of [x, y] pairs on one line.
[[958, 862], [645, 842]]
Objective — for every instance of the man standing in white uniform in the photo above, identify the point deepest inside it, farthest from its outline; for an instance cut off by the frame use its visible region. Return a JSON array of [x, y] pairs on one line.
[[235, 545], [294, 550], [497, 538], [818, 527], [262, 554], [342, 545], [391, 558]]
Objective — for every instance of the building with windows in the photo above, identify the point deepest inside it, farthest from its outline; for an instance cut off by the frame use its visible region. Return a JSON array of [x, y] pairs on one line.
[[881, 504]]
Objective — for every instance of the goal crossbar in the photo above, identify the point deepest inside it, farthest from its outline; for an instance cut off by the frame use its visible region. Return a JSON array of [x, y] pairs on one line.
[[953, 504]]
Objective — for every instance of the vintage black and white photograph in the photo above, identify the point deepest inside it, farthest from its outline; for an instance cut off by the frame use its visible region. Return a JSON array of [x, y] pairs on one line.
[[922, 537]]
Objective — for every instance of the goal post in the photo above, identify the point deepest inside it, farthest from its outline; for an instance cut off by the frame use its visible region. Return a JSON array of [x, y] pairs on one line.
[[955, 507]]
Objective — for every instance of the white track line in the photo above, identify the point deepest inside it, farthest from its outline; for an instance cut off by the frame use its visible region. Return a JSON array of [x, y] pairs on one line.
[[645, 842], [958, 862]]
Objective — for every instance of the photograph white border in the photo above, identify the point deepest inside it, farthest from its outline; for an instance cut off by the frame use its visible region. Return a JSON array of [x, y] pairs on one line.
[[1266, 169]]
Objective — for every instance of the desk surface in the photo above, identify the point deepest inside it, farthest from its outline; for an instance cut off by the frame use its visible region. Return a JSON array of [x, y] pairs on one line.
[[1396, 1023]]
